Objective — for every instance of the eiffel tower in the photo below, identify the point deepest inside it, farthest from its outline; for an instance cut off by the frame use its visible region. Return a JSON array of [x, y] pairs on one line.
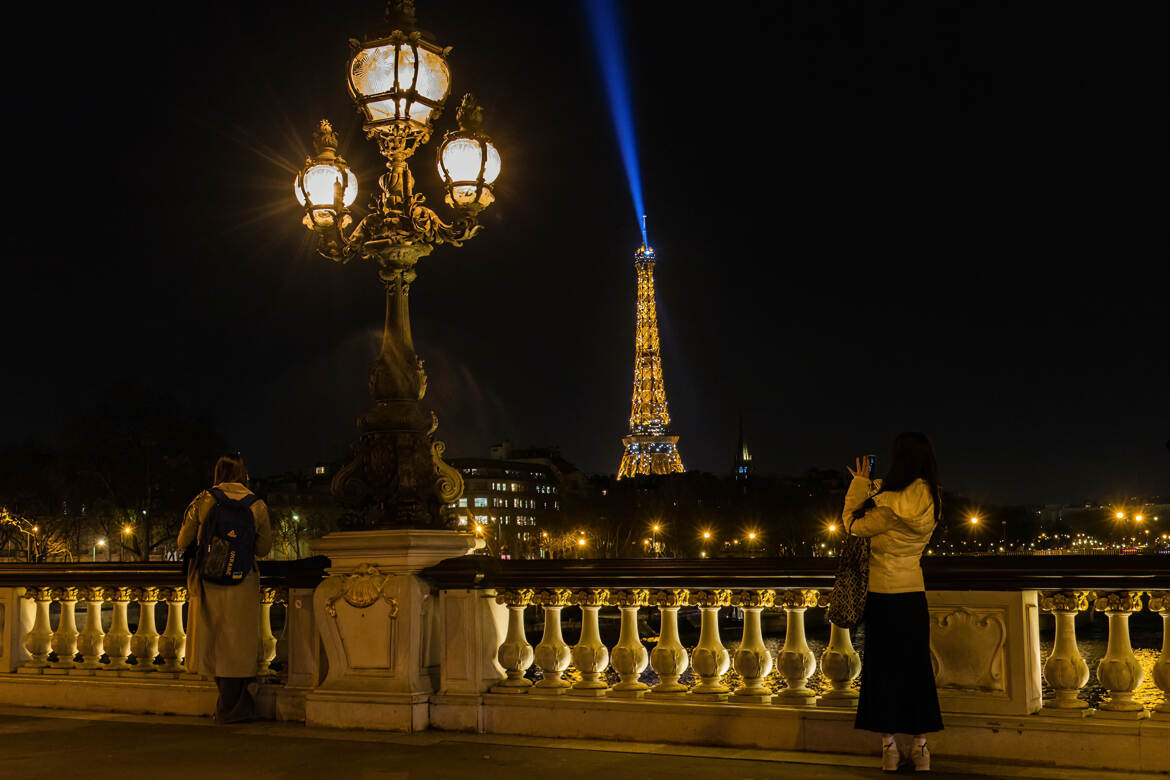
[[649, 449]]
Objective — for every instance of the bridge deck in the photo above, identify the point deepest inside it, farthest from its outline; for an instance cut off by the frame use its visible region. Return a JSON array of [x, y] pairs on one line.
[[39, 743]]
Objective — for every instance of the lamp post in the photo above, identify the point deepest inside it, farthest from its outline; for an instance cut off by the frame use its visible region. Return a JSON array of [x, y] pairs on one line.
[[97, 544], [399, 79]]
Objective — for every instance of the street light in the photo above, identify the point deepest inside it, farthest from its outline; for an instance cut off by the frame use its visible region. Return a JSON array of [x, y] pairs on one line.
[[400, 81], [97, 544]]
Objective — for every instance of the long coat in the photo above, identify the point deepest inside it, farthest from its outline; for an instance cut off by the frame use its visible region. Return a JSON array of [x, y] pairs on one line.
[[223, 638]]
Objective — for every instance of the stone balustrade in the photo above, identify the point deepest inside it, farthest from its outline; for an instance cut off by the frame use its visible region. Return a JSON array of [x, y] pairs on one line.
[[528, 647], [968, 647], [58, 647]]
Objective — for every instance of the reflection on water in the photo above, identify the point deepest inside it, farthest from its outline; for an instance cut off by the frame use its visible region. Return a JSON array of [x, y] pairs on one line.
[[1145, 634]]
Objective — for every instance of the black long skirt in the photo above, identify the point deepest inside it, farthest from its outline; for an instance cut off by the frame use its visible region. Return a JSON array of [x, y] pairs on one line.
[[897, 680]]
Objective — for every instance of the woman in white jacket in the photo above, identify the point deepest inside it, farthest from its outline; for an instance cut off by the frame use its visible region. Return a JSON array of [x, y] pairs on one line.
[[898, 514]]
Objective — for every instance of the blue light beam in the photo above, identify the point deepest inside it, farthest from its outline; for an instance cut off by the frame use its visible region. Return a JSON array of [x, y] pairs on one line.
[[605, 25]]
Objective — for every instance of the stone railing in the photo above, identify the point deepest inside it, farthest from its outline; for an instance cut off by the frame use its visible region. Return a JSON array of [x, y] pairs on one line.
[[51, 619], [407, 632], [985, 645]]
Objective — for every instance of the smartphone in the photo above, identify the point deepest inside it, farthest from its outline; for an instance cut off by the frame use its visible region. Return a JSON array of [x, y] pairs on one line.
[[872, 460]]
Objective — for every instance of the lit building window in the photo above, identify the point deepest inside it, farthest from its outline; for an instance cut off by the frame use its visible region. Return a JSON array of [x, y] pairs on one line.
[[479, 501], [463, 502], [319, 470]]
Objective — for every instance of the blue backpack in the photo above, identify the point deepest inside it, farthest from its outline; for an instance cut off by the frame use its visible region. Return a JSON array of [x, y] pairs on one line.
[[227, 544]]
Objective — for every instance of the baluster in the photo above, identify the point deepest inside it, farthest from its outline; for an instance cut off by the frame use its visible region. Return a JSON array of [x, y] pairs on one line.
[[65, 637], [1066, 670], [144, 643], [752, 660], [282, 640], [91, 641], [796, 661], [39, 640], [515, 654], [552, 654], [172, 645], [118, 637], [1119, 671], [267, 649], [669, 658], [1160, 603], [629, 658], [589, 655]]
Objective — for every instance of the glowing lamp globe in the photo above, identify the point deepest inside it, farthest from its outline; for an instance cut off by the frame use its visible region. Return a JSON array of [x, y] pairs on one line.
[[469, 162], [401, 80], [319, 186], [326, 186]]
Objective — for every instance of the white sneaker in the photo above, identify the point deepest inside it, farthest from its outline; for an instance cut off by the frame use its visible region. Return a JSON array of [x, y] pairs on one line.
[[920, 755], [891, 757]]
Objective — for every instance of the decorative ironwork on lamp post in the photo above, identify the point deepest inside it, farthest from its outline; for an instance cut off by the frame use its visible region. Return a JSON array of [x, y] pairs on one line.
[[396, 476]]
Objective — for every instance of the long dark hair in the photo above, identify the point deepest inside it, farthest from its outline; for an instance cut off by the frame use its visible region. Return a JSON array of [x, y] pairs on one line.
[[911, 458]]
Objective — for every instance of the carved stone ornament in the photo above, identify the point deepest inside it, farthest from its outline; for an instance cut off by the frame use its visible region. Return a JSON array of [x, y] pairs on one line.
[[675, 597], [361, 588], [553, 597], [719, 597], [635, 597], [35, 593], [798, 598], [1119, 601], [1159, 601], [967, 649], [515, 598], [1066, 601], [754, 598], [178, 595], [593, 597]]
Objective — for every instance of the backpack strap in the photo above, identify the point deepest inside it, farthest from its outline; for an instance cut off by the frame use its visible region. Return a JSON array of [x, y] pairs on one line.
[[249, 499], [222, 498], [218, 495]]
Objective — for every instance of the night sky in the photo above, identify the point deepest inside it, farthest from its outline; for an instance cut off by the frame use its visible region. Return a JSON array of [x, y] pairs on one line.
[[869, 217]]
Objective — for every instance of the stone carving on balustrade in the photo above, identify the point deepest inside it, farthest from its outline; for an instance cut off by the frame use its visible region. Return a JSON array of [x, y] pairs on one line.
[[669, 658], [144, 643], [629, 657], [1066, 670], [552, 653], [796, 661], [1160, 602], [38, 641], [710, 658], [1119, 671], [119, 636], [967, 650], [367, 632], [590, 656], [91, 641], [840, 664], [515, 653], [752, 659], [64, 641]]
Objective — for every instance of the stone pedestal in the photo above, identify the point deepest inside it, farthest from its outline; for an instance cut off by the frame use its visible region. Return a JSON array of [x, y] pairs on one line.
[[379, 625]]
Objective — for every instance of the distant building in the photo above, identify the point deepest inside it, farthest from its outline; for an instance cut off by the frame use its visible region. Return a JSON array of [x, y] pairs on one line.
[[514, 495]]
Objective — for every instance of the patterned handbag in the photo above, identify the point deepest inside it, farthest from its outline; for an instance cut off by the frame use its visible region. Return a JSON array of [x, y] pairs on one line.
[[847, 601]]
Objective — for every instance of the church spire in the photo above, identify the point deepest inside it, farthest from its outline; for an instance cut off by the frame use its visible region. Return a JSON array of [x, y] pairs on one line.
[[743, 458]]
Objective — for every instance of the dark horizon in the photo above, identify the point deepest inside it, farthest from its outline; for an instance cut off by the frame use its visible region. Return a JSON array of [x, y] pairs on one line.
[[866, 221]]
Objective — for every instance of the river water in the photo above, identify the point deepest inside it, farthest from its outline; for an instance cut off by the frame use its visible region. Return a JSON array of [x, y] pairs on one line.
[[1145, 634]]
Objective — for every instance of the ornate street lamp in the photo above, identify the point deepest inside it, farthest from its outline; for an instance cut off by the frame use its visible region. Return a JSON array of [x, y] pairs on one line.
[[400, 82]]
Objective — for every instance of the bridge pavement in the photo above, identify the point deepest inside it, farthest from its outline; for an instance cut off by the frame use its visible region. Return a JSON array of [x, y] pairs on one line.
[[43, 743]]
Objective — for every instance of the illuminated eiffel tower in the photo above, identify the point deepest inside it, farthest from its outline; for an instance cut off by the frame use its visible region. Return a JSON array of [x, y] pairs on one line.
[[649, 449]]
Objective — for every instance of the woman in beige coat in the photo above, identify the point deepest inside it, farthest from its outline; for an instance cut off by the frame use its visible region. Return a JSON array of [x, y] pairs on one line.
[[898, 514], [223, 641]]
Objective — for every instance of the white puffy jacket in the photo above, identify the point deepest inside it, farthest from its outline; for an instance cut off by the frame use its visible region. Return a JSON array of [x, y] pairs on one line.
[[898, 527]]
